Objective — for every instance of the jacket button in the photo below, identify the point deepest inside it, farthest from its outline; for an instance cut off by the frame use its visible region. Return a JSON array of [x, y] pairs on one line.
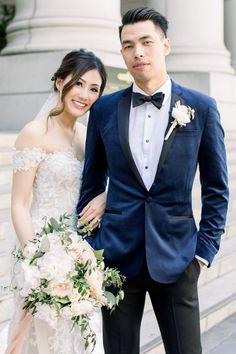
[[149, 199]]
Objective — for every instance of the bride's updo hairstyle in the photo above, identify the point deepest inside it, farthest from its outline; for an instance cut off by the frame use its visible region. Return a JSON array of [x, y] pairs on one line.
[[76, 64]]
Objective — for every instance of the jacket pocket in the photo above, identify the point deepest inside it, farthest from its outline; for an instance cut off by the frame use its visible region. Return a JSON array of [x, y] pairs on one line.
[[113, 211], [187, 132], [182, 217]]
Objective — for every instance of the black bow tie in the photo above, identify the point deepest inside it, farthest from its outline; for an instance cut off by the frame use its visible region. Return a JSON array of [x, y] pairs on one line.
[[139, 98]]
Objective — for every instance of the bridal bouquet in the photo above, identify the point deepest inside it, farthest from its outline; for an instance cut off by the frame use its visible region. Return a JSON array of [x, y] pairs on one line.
[[62, 276]]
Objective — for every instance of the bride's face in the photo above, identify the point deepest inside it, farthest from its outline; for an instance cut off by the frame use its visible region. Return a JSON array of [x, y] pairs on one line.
[[82, 95]]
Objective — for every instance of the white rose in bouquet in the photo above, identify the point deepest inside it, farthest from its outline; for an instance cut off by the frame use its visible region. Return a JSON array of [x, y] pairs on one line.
[[95, 281], [30, 249], [74, 295], [55, 265], [81, 308], [83, 252], [66, 313], [60, 289], [27, 278]]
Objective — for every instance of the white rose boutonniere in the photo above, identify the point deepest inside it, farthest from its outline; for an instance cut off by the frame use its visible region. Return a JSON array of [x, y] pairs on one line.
[[182, 116]]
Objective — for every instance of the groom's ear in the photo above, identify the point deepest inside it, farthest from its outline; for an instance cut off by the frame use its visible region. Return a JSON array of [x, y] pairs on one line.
[[166, 45]]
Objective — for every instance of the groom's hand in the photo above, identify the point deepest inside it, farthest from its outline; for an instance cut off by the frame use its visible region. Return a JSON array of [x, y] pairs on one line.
[[201, 264]]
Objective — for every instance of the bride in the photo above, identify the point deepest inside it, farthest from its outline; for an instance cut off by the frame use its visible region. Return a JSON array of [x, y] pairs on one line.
[[47, 161]]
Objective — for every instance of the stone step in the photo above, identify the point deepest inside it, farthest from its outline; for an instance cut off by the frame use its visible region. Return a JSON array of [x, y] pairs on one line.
[[230, 144], [7, 139], [221, 338], [5, 155], [224, 262], [231, 156], [5, 174], [217, 302], [230, 230], [230, 134], [231, 169], [5, 193], [5, 215]]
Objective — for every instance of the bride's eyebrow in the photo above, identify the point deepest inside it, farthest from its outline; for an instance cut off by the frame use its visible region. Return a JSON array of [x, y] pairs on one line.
[[91, 84]]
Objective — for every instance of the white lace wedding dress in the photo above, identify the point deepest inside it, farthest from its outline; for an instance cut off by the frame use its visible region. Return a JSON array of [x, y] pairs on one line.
[[55, 191]]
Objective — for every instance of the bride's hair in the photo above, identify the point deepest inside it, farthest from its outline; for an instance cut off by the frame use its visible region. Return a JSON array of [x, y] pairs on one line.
[[76, 64]]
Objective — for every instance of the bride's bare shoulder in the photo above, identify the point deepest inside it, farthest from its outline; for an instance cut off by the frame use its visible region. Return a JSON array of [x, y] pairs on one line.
[[31, 135]]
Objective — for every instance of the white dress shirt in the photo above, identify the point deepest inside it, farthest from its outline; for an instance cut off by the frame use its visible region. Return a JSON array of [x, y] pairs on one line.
[[147, 126]]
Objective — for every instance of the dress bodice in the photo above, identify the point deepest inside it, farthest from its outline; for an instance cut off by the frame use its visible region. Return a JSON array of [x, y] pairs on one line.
[[56, 184]]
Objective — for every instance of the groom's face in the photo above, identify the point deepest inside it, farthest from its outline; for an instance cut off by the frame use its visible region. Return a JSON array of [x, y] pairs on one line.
[[144, 48]]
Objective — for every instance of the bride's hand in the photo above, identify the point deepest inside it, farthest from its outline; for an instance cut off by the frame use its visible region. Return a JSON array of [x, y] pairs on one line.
[[94, 210]]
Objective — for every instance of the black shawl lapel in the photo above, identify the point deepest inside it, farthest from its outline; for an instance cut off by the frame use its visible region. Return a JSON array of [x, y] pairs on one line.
[[167, 143], [123, 127]]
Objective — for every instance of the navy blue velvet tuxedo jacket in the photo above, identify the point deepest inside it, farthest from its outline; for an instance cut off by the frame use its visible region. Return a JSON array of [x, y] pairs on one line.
[[158, 223]]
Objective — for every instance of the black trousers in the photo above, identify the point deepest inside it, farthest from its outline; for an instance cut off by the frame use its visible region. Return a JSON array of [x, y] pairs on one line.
[[176, 309]]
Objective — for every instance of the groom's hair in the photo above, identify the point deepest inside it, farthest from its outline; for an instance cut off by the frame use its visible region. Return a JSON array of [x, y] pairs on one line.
[[144, 14]]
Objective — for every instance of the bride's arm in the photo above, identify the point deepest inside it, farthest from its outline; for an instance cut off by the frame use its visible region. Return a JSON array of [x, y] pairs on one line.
[[21, 192], [22, 186]]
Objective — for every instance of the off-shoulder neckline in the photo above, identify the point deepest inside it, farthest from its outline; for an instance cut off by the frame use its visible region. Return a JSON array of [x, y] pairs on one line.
[[46, 153]]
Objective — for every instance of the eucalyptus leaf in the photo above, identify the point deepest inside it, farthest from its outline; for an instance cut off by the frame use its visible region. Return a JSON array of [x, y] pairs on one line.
[[54, 224], [110, 297], [45, 244], [37, 255], [98, 254]]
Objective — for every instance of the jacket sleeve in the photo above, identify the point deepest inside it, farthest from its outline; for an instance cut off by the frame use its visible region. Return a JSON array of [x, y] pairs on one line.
[[94, 176], [214, 188]]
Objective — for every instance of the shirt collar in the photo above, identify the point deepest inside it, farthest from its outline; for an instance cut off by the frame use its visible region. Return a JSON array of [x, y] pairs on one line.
[[165, 88]]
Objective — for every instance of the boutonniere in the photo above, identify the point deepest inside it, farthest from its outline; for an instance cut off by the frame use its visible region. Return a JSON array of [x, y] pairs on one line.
[[182, 116]]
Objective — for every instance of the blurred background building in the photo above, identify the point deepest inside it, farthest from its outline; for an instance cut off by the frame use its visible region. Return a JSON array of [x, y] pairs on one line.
[[35, 35]]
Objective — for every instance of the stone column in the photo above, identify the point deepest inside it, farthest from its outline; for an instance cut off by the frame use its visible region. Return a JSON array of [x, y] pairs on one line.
[[39, 36], [197, 36], [230, 28], [42, 25], [54, 25]]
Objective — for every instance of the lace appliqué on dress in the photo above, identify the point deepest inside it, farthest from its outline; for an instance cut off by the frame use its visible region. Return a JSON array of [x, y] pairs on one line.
[[27, 158]]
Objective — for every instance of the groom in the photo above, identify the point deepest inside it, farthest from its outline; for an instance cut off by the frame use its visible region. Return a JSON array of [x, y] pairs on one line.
[[148, 229]]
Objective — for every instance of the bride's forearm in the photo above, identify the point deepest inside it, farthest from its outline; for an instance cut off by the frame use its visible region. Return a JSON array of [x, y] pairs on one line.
[[22, 223]]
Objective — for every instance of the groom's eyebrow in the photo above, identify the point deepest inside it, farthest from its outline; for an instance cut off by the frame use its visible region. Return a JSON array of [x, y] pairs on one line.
[[127, 41]]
